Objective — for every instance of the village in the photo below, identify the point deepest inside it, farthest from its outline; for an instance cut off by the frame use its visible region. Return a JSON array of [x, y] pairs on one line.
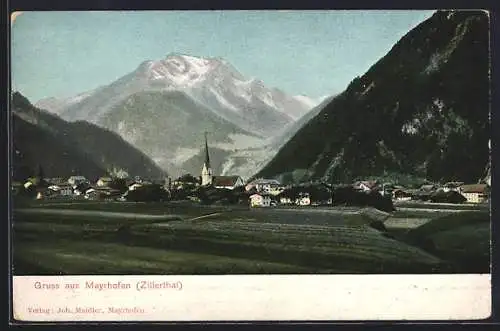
[[260, 192]]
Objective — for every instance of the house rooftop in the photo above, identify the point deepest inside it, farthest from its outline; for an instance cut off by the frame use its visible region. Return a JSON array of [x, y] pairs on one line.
[[56, 180], [474, 188], [265, 181], [262, 194], [225, 180], [63, 184], [368, 183], [428, 187], [453, 184]]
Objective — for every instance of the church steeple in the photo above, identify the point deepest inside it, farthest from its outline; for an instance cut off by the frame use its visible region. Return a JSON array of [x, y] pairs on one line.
[[207, 157], [206, 171]]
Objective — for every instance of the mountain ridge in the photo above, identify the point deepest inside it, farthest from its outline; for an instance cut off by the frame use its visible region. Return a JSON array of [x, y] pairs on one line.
[[201, 78], [421, 109], [164, 106], [65, 149]]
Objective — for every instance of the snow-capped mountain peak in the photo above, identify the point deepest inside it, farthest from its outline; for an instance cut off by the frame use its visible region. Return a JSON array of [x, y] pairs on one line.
[[211, 82], [162, 106], [179, 71], [176, 70]]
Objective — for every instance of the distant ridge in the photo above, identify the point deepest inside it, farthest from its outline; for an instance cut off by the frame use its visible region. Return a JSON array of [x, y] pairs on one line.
[[65, 149]]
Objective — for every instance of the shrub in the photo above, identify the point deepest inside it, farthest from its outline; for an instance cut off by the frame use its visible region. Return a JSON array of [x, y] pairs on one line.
[[349, 196]]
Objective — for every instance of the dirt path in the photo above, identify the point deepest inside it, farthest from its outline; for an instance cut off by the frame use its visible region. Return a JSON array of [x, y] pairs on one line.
[[79, 212], [437, 210]]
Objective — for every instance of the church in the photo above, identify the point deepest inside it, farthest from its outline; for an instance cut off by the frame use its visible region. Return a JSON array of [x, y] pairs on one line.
[[208, 179]]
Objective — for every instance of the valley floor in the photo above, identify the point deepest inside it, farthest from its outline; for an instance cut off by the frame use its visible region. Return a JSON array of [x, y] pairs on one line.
[[180, 238]]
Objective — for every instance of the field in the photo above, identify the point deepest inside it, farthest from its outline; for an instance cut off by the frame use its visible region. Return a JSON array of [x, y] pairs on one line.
[[183, 238]]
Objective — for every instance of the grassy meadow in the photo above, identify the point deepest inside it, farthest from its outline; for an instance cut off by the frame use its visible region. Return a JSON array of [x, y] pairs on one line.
[[168, 238]]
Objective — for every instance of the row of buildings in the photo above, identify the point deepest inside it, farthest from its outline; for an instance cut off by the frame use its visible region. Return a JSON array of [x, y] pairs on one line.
[[261, 192], [271, 192], [80, 187], [472, 193], [268, 192]]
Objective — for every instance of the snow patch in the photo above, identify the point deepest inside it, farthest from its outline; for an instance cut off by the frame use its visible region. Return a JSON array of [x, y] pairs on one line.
[[243, 89], [268, 100], [80, 97], [200, 64], [181, 71], [221, 100], [306, 101], [227, 166]]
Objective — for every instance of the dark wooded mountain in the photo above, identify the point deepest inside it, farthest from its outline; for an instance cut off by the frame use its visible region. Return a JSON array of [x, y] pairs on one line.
[[422, 109], [65, 149]]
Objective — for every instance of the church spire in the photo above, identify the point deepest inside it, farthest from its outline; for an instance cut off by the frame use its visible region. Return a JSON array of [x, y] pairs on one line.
[[207, 157], [206, 171]]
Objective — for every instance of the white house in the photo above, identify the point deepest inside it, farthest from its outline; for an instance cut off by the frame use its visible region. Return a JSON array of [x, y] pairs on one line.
[[260, 200], [104, 181], [401, 195], [81, 188], [452, 186], [286, 201], [66, 190], [265, 185], [62, 189], [475, 193], [366, 186], [304, 200], [75, 180], [134, 186]]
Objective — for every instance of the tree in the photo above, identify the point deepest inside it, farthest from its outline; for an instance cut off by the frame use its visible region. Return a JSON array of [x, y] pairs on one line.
[[146, 193], [188, 178], [119, 184], [40, 173], [29, 192], [287, 178]]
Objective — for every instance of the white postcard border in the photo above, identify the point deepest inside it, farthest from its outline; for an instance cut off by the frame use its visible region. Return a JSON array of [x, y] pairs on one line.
[[253, 298]]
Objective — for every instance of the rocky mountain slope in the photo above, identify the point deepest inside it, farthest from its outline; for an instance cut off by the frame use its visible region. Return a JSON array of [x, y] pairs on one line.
[[65, 149], [163, 107], [248, 161], [422, 109]]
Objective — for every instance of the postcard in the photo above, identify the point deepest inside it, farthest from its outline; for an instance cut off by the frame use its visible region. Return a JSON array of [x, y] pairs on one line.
[[260, 165]]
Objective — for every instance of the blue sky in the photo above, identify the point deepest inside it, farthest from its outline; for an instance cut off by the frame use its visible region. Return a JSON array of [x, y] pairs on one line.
[[315, 53]]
